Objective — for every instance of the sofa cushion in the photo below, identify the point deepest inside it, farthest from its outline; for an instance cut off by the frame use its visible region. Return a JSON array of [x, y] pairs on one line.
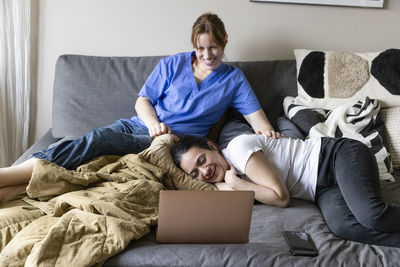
[[158, 154], [391, 118], [91, 92], [327, 79]]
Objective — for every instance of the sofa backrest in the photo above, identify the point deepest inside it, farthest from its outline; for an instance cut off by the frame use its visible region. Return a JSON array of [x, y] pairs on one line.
[[271, 81], [90, 92]]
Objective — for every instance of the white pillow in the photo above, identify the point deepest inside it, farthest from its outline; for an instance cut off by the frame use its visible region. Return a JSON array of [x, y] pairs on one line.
[[328, 79], [391, 118]]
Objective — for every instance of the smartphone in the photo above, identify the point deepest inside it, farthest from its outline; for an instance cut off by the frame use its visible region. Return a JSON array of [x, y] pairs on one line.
[[300, 243]]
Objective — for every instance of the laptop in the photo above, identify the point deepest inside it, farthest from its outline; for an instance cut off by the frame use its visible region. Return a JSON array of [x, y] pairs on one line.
[[204, 217]]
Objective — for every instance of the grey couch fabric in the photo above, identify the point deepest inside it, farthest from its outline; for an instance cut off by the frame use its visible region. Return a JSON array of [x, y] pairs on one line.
[[266, 246], [91, 92], [271, 82]]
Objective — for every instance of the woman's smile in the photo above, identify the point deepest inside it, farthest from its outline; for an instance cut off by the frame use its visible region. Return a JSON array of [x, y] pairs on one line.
[[208, 53], [206, 165]]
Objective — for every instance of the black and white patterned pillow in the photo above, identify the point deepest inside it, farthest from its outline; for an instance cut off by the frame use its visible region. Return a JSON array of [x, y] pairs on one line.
[[360, 121]]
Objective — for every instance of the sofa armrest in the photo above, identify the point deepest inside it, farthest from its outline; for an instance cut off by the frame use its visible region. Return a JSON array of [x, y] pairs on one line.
[[46, 140]]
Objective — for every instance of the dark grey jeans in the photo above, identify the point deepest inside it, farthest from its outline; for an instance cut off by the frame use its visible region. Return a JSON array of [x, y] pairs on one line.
[[231, 129], [349, 196]]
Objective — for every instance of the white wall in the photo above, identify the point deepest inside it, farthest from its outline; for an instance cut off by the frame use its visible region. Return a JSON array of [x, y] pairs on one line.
[[257, 31]]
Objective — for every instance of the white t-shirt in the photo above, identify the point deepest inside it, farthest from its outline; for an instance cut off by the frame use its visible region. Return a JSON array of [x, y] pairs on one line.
[[296, 160]]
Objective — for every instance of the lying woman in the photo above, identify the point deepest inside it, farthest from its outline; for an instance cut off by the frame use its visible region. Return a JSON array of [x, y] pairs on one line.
[[332, 172]]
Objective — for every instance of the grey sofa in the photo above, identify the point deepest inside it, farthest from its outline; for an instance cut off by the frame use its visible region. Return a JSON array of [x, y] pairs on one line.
[[92, 91]]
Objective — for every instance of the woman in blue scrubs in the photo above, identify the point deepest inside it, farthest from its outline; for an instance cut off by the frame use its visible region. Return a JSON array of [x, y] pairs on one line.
[[187, 93]]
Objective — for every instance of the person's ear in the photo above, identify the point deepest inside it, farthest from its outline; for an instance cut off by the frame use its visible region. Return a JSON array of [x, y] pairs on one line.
[[226, 39], [212, 145]]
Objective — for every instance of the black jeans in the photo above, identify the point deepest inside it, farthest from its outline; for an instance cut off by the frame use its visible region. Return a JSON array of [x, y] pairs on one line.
[[348, 194]]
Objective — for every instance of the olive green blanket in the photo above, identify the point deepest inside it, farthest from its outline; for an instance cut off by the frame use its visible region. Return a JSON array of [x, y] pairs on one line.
[[81, 217]]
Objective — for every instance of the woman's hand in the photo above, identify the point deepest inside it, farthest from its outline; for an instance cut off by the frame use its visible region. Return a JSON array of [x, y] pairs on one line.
[[231, 178], [222, 186], [157, 129], [271, 133], [261, 125], [147, 114]]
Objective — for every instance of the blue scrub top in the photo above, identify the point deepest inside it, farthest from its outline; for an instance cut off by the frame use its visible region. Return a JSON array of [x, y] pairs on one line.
[[191, 108]]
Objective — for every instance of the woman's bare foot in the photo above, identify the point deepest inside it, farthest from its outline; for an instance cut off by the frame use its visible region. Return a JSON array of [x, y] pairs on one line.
[[10, 192], [17, 175]]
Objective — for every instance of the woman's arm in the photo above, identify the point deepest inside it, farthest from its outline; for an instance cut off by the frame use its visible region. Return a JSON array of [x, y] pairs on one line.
[[147, 114], [260, 124], [268, 186]]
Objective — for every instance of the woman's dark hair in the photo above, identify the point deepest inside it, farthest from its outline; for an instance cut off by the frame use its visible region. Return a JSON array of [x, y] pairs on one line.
[[185, 143]]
